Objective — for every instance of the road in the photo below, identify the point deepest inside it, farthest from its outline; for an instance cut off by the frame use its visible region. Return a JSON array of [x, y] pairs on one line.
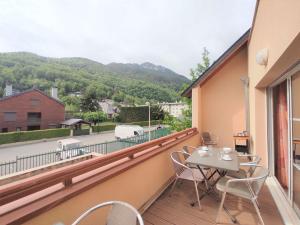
[[10, 152]]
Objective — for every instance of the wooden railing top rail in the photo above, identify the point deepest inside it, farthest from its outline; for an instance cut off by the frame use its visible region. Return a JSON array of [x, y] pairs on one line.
[[17, 190]]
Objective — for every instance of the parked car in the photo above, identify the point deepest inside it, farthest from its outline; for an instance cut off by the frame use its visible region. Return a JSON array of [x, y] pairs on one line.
[[65, 146], [126, 131]]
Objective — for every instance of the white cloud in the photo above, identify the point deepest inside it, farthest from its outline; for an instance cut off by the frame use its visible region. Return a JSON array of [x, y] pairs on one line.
[[167, 32]]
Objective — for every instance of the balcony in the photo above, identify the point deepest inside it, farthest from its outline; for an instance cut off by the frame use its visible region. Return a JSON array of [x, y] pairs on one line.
[[177, 210], [139, 175]]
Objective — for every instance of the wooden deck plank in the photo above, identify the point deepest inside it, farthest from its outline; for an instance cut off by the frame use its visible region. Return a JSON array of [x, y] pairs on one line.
[[155, 219], [176, 209]]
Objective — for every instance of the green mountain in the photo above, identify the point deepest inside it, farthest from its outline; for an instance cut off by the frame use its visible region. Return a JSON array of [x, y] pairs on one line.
[[131, 82]]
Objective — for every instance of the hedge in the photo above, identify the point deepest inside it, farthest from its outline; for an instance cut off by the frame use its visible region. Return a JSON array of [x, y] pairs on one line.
[[80, 132], [140, 113], [100, 128], [146, 123], [12, 137], [106, 127]]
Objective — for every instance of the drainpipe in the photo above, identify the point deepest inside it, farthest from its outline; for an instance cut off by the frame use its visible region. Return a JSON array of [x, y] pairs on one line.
[[245, 80]]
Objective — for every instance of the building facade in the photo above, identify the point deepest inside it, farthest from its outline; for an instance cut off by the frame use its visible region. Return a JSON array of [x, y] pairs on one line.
[[30, 110], [108, 107], [174, 108], [254, 86]]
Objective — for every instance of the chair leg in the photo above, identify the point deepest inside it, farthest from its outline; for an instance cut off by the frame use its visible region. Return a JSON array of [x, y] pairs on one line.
[[173, 186], [221, 207], [258, 212], [197, 194], [257, 203]]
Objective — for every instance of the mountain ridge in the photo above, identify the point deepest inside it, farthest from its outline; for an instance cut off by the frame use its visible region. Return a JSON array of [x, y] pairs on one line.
[[72, 74]]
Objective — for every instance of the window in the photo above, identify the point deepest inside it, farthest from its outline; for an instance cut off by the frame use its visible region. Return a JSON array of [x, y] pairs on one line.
[[35, 102], [10, 116], [4, 130], [29, 128], [34, 117]]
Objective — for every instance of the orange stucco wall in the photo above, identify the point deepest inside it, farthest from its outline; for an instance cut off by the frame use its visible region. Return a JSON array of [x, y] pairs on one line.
[[221, 104], [135, 186], [276, 27]]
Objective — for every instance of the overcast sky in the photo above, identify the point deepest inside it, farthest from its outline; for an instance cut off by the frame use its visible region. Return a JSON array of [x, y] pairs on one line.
[[171, 33]]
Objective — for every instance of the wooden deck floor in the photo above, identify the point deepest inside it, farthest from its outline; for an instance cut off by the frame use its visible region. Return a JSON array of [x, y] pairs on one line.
[[176, 210]]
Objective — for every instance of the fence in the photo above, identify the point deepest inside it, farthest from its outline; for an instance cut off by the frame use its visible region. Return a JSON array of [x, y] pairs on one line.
[[32, 161]]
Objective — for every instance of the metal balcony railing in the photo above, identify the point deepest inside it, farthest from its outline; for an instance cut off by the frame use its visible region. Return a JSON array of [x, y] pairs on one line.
[[31, 161]]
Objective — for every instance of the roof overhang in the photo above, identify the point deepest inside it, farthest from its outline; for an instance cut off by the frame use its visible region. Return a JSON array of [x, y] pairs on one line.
[[243, 40], [28, 91]]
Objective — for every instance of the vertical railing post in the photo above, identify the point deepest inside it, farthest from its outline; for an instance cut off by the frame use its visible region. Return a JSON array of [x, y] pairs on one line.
[[68, 182], [17, 167]]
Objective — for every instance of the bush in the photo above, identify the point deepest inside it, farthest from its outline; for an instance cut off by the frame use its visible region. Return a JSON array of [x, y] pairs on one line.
[[146, 123], [101, 128], [12, 137], [95, 117], [106, 127], [80, 132]]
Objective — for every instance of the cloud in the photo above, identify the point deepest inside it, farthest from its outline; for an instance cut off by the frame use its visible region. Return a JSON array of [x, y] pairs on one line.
[[171, 33]]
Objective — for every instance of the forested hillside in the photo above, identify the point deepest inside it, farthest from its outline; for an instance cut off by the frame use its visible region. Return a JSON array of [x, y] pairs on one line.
[[122, 82]]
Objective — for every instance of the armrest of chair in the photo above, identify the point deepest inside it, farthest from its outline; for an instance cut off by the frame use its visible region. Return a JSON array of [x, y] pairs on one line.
[[188, 146], [251, 163]]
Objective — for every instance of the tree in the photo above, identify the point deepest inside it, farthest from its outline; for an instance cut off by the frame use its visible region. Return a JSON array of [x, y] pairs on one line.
[[118, 97], [157, 113], [89, 101], [72, 103], [94, 117], [202, 66], [1, 92], [185, 121]]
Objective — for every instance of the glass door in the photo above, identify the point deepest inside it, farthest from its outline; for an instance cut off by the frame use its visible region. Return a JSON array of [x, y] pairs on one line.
[[295, 96], [284, 134], [281, 134]]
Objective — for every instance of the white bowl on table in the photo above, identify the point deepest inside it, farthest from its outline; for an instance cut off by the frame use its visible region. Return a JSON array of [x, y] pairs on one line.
[[202, 153], [227, 157], [227, 150], [203, 148]]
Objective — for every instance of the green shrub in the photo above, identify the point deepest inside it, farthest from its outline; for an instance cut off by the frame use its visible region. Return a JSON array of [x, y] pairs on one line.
[[12, 137], [95, 117], [140, 113], [84, 131], [146, 123], [101, 128], [111, 126]]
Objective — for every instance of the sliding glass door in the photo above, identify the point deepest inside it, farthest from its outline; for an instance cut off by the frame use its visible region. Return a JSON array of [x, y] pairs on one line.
[[280, 132], [284, 134], [295, 95]]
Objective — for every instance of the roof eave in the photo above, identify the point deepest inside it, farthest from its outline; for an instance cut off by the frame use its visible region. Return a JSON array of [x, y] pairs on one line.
[[218, 63]]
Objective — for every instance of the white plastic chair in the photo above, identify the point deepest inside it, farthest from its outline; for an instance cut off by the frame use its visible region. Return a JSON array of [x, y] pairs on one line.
[[184, 172], [248, 188], [250, 166], [187, 150], [121, 213]]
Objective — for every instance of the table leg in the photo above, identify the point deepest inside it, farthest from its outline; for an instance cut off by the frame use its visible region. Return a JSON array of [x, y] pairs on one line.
[[209, 187]]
